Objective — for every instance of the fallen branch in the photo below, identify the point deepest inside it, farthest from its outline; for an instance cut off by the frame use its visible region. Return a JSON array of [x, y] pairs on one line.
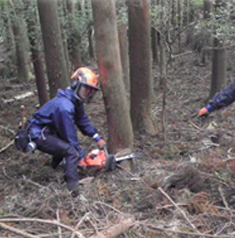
[[32, 182], [17, 231], [165, 230], [178, 208], [107, 205], [18, 97], [58, 219], [115, 230], [80, 222], [7, 129], [52, 222], [7, 146], [4, 173]]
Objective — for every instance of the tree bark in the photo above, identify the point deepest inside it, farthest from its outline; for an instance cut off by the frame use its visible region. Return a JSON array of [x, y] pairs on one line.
[[218, 68], [155, 44], [53, 47], [218, 60], [120, 134], [9, 35], [21, 49], [36, 54], [122, 33], [62, 10], [207, 8], [74, 38], [140, 66]]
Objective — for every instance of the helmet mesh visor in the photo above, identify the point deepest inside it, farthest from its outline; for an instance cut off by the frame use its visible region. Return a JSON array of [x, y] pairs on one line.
[[86, 93]]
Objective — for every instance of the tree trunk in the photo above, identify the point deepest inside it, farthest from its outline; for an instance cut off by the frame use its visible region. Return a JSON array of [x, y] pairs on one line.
[[140, 66], [120, 134], [191, 12], [21, 49], [122, 33], [179, 22], [62, 10], [173, 13], [218, 61], [74, 37], [9, 35], [218, 68], [36, 54], [186, 13], [155, 44], [207, 8], [163, 72], [53, 47], [90, 41]]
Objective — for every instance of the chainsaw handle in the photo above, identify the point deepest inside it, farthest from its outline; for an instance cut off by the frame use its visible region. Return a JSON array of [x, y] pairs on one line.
[[105, 150], [110, 163]]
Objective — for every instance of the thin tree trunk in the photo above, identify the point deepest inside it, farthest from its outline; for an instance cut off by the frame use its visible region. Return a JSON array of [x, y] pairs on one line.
[[218, 61], [62, 10], [53, 47], [218, 68], [163, 75], [140, 66], [155, 44], [36, 54], [179, 22], [21, 49], [74, 37], [10, 42], [90, 42], [120, 134], [207, 8]]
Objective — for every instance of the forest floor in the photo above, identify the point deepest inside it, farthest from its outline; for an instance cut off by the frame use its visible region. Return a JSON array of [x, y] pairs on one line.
[[183, 186]]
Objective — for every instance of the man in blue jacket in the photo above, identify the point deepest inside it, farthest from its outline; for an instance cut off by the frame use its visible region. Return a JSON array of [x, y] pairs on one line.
[[221, 99], [53, 127]]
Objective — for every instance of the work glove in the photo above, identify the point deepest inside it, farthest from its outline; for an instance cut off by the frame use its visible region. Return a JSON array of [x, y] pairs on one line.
[[203, 112], [101, 143]]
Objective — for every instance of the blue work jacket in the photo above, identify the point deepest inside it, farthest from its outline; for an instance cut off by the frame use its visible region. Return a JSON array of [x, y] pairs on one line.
[[61, 115], [223, 98]]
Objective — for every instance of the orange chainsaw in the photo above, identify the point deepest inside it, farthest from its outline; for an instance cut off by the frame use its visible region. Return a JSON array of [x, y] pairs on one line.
[[101, 160]]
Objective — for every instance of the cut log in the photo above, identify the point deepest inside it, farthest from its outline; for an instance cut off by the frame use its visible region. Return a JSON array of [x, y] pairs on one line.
[[115, 230], [18, 97]]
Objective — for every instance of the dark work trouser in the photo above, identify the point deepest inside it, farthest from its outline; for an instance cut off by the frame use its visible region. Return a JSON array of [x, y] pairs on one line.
[[60, 149]]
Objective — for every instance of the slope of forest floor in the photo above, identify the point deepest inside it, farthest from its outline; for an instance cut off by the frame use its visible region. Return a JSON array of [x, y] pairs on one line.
[[183, 186]]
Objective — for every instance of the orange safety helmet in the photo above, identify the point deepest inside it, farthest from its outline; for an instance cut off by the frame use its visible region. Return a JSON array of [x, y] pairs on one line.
[[85, 84]]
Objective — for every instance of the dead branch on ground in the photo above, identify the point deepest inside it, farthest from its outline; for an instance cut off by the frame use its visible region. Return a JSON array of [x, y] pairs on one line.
[[178, 208], [6, 147], [17, 231], [51, 222], [116, 229], [18, 97]]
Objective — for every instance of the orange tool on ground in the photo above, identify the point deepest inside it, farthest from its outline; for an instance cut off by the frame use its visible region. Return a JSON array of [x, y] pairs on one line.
[[101, 160]]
